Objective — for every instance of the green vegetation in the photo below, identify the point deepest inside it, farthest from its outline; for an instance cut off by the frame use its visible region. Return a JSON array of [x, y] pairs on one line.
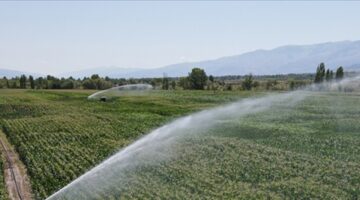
[[60, 135], [320, 73], [328, 75], [339, 73], [309, 150], [247, 84], [95, 82], [197, 79], [3, 192]]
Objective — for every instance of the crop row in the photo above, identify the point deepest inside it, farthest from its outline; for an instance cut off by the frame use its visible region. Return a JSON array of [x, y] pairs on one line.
[[59, 135], [309, 150], [305, 151]]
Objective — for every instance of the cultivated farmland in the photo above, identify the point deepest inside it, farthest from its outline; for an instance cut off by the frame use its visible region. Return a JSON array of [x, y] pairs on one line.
[[60, 135], [306, 150]]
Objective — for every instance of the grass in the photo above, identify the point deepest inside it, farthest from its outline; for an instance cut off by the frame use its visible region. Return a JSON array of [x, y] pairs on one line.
[[59, 135]]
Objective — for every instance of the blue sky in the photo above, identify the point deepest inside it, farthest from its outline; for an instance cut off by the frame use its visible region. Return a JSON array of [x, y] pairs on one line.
[[54, 37]]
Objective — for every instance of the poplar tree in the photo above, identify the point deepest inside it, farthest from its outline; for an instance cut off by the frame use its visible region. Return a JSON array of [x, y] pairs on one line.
[[23, 81], [339, 73], [327, 76], [320, 73], [32, 82]]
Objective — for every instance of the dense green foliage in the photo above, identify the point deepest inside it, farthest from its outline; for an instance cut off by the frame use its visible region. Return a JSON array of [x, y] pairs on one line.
[[306, 151], [3, 192], [197, 79], [339, 73], [321, 75], [60, 135], [247, 84], [264, 82], [23, 81]]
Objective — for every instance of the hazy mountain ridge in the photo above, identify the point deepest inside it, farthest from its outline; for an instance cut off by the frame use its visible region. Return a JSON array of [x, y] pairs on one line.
[[13, 73], [281, 60]]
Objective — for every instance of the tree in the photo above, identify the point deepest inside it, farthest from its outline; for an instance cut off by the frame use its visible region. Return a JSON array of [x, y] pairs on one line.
[[89, 84], [95, 76], [331, 75], [327, 76], [173, 85], [7, 82], [165, 82], [320, 73], [23, 81], [214, 86], [212, 81], [67, 84], [228, 87], [292, 85], [32, 82], [55, 84], [256, 84], [197, 79], [339, 73], [101, 84], [93, 83], [184, 83], [39, 83], [247, 83], [211, 78], [14, 84]]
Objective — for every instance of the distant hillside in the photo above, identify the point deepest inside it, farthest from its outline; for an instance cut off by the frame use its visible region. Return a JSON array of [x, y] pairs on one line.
[[103, 71], [13, 73], [281, 60], [353, 68]]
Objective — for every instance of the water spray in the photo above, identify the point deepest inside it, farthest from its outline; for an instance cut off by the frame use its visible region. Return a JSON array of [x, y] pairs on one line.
[[154, 147], [120, 90]]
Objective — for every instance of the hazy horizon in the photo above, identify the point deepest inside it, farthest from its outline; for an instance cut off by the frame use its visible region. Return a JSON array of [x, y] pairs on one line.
[[56, 37]]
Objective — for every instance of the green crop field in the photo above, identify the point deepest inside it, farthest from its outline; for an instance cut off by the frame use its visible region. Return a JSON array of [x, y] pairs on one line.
[[3, 193], [61, 135], [307, 151], [303, 151]]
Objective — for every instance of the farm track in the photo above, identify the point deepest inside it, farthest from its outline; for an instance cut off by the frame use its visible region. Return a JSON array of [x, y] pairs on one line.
[[16, 180]]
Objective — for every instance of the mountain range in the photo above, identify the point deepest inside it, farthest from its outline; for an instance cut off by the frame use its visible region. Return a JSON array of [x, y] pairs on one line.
[[13, 73], [281, 60]]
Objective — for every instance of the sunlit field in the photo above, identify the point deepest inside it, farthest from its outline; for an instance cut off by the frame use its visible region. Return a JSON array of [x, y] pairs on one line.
[[60, 134], [180, 100], [307, 150]]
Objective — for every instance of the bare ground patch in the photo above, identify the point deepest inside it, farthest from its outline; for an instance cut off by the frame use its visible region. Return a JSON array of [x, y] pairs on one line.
[[16, 179]]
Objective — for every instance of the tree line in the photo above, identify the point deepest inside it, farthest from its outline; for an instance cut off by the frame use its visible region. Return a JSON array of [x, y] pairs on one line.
[[51, 82], [322, 74], [197, 79]]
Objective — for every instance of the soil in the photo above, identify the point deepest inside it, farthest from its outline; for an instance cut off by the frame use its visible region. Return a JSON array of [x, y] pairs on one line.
[[16, 179]]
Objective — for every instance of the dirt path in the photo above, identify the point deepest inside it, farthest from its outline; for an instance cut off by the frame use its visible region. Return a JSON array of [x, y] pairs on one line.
[[16, 180]]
